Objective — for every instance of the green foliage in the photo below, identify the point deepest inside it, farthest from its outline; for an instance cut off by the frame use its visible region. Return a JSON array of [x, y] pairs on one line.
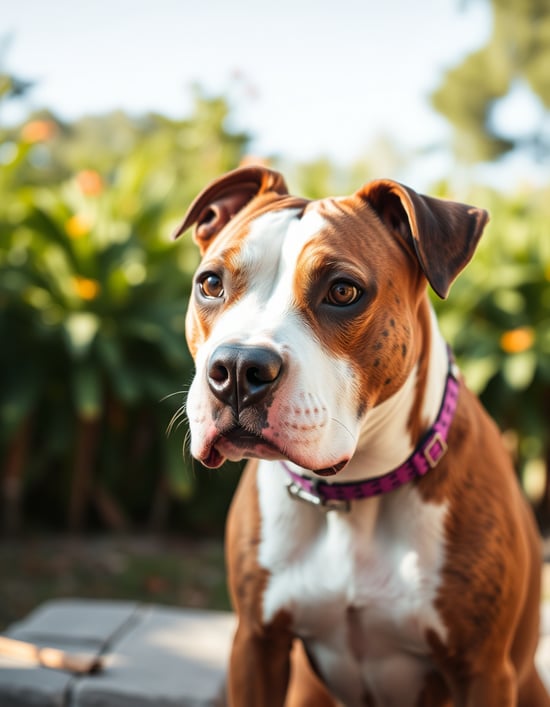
[[498, 318], [93, 361], [93, 297]]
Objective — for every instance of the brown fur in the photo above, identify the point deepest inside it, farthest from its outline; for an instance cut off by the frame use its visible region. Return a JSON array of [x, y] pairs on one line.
[[489, 596]]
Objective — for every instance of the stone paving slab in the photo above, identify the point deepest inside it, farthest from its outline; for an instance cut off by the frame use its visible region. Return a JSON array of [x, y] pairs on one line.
[[72, 625], [171, 658], [89, 623], [21, 686], [154, 657]]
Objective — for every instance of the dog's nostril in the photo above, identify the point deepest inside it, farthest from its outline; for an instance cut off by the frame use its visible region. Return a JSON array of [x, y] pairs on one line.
[[253, 376], [264, 374], [219, 374]]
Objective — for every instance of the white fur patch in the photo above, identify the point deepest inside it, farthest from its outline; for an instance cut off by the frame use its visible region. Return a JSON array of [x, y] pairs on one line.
[[360, 586]]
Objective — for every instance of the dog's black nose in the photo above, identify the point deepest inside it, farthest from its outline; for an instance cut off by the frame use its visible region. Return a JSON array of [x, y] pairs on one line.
[[240, 376]]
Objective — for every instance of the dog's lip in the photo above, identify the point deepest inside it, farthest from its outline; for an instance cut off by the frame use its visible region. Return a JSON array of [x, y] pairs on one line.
[[250, 442], [241, 437], [246, 440], [331, 470], [242, 441], [213, 459]]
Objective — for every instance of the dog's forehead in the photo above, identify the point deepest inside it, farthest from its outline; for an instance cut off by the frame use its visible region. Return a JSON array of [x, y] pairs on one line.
[[282, 235], [269, 259], [276, 238], [260, 257]]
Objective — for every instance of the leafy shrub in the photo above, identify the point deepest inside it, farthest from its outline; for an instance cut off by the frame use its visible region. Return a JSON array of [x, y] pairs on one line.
[[498, 321], [92, 303]]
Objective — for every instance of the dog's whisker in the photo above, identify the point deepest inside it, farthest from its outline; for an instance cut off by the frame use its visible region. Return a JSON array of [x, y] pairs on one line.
[[177, 417], [187, 445], [171, 395], [338, 422], [170, 426]]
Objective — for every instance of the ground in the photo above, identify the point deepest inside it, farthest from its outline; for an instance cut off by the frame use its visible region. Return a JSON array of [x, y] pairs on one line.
[[172, 571]]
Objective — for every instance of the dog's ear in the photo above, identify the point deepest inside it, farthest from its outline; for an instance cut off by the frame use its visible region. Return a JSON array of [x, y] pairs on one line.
[[443, 234], [224, 197]]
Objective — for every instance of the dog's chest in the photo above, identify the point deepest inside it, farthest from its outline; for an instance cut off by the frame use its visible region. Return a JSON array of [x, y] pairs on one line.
[[360, 587]]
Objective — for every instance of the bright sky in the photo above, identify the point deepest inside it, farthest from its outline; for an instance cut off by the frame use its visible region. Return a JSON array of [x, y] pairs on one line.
[[307, 77]]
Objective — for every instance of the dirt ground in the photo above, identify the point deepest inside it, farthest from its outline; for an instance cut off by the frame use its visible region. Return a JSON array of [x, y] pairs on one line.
[[162, 570], [171, 571]]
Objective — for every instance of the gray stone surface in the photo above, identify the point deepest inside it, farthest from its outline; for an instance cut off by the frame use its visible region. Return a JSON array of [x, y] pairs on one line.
[[172, 658], [85, 621], [154, 657], [21, 686]]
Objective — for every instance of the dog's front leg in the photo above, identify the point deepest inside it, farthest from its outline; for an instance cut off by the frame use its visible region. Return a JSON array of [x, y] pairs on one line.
[[497, 688], [259, 669]]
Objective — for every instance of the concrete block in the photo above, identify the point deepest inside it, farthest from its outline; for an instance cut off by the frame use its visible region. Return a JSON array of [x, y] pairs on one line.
[[171, 658], [154, 657], [21, 686], [85, 621]]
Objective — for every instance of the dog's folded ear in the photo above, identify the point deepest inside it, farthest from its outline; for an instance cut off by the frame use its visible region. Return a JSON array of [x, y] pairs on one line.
[[443, 234], [224, 197]]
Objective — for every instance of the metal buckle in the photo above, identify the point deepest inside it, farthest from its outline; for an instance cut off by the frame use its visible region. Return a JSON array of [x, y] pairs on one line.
[[298, 493], [436, 439]]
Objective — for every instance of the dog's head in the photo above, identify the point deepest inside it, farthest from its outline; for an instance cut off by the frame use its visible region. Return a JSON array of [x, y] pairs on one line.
[[302, 316]]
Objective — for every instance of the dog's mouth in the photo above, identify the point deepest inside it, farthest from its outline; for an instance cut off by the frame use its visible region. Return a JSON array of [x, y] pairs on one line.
[[331, 470], [238, 443]]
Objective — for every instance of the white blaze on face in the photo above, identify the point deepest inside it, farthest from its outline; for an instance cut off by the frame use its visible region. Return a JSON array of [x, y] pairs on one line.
[[312, 418]]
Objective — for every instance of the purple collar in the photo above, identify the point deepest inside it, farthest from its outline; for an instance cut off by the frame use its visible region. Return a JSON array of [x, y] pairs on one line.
[[426, 456]]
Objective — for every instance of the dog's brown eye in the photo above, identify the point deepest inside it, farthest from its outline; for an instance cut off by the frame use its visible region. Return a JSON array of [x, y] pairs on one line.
[[211, 286], [343, 293]]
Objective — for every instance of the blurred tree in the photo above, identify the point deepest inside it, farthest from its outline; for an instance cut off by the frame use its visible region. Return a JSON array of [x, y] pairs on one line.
[[11, 86], [92, 303], [322, 176], [506, 295], [56, 150], [516, 56]]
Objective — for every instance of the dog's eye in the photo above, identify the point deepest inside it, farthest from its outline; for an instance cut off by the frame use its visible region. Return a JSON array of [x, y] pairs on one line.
[[343, 293], [211, 286]]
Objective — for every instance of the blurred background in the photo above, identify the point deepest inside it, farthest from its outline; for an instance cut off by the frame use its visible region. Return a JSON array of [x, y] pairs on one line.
[[113, 115]]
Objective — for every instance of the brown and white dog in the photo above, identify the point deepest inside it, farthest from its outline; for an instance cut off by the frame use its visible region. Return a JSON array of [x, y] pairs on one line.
[[379, 521]]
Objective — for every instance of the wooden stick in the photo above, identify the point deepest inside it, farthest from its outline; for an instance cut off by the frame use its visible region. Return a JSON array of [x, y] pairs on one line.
[[50, 657]]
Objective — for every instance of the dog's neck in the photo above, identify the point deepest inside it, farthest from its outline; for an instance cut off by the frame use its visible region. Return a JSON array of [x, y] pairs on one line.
[[386, 438]]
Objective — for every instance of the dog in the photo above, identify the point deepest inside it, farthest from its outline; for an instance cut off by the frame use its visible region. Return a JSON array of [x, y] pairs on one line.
[[379, 550]]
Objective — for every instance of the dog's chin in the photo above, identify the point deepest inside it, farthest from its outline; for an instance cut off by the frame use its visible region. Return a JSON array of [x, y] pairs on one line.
[[238, 444]]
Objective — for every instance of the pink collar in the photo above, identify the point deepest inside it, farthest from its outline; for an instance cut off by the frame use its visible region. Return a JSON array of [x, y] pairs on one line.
[[426, 456]]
